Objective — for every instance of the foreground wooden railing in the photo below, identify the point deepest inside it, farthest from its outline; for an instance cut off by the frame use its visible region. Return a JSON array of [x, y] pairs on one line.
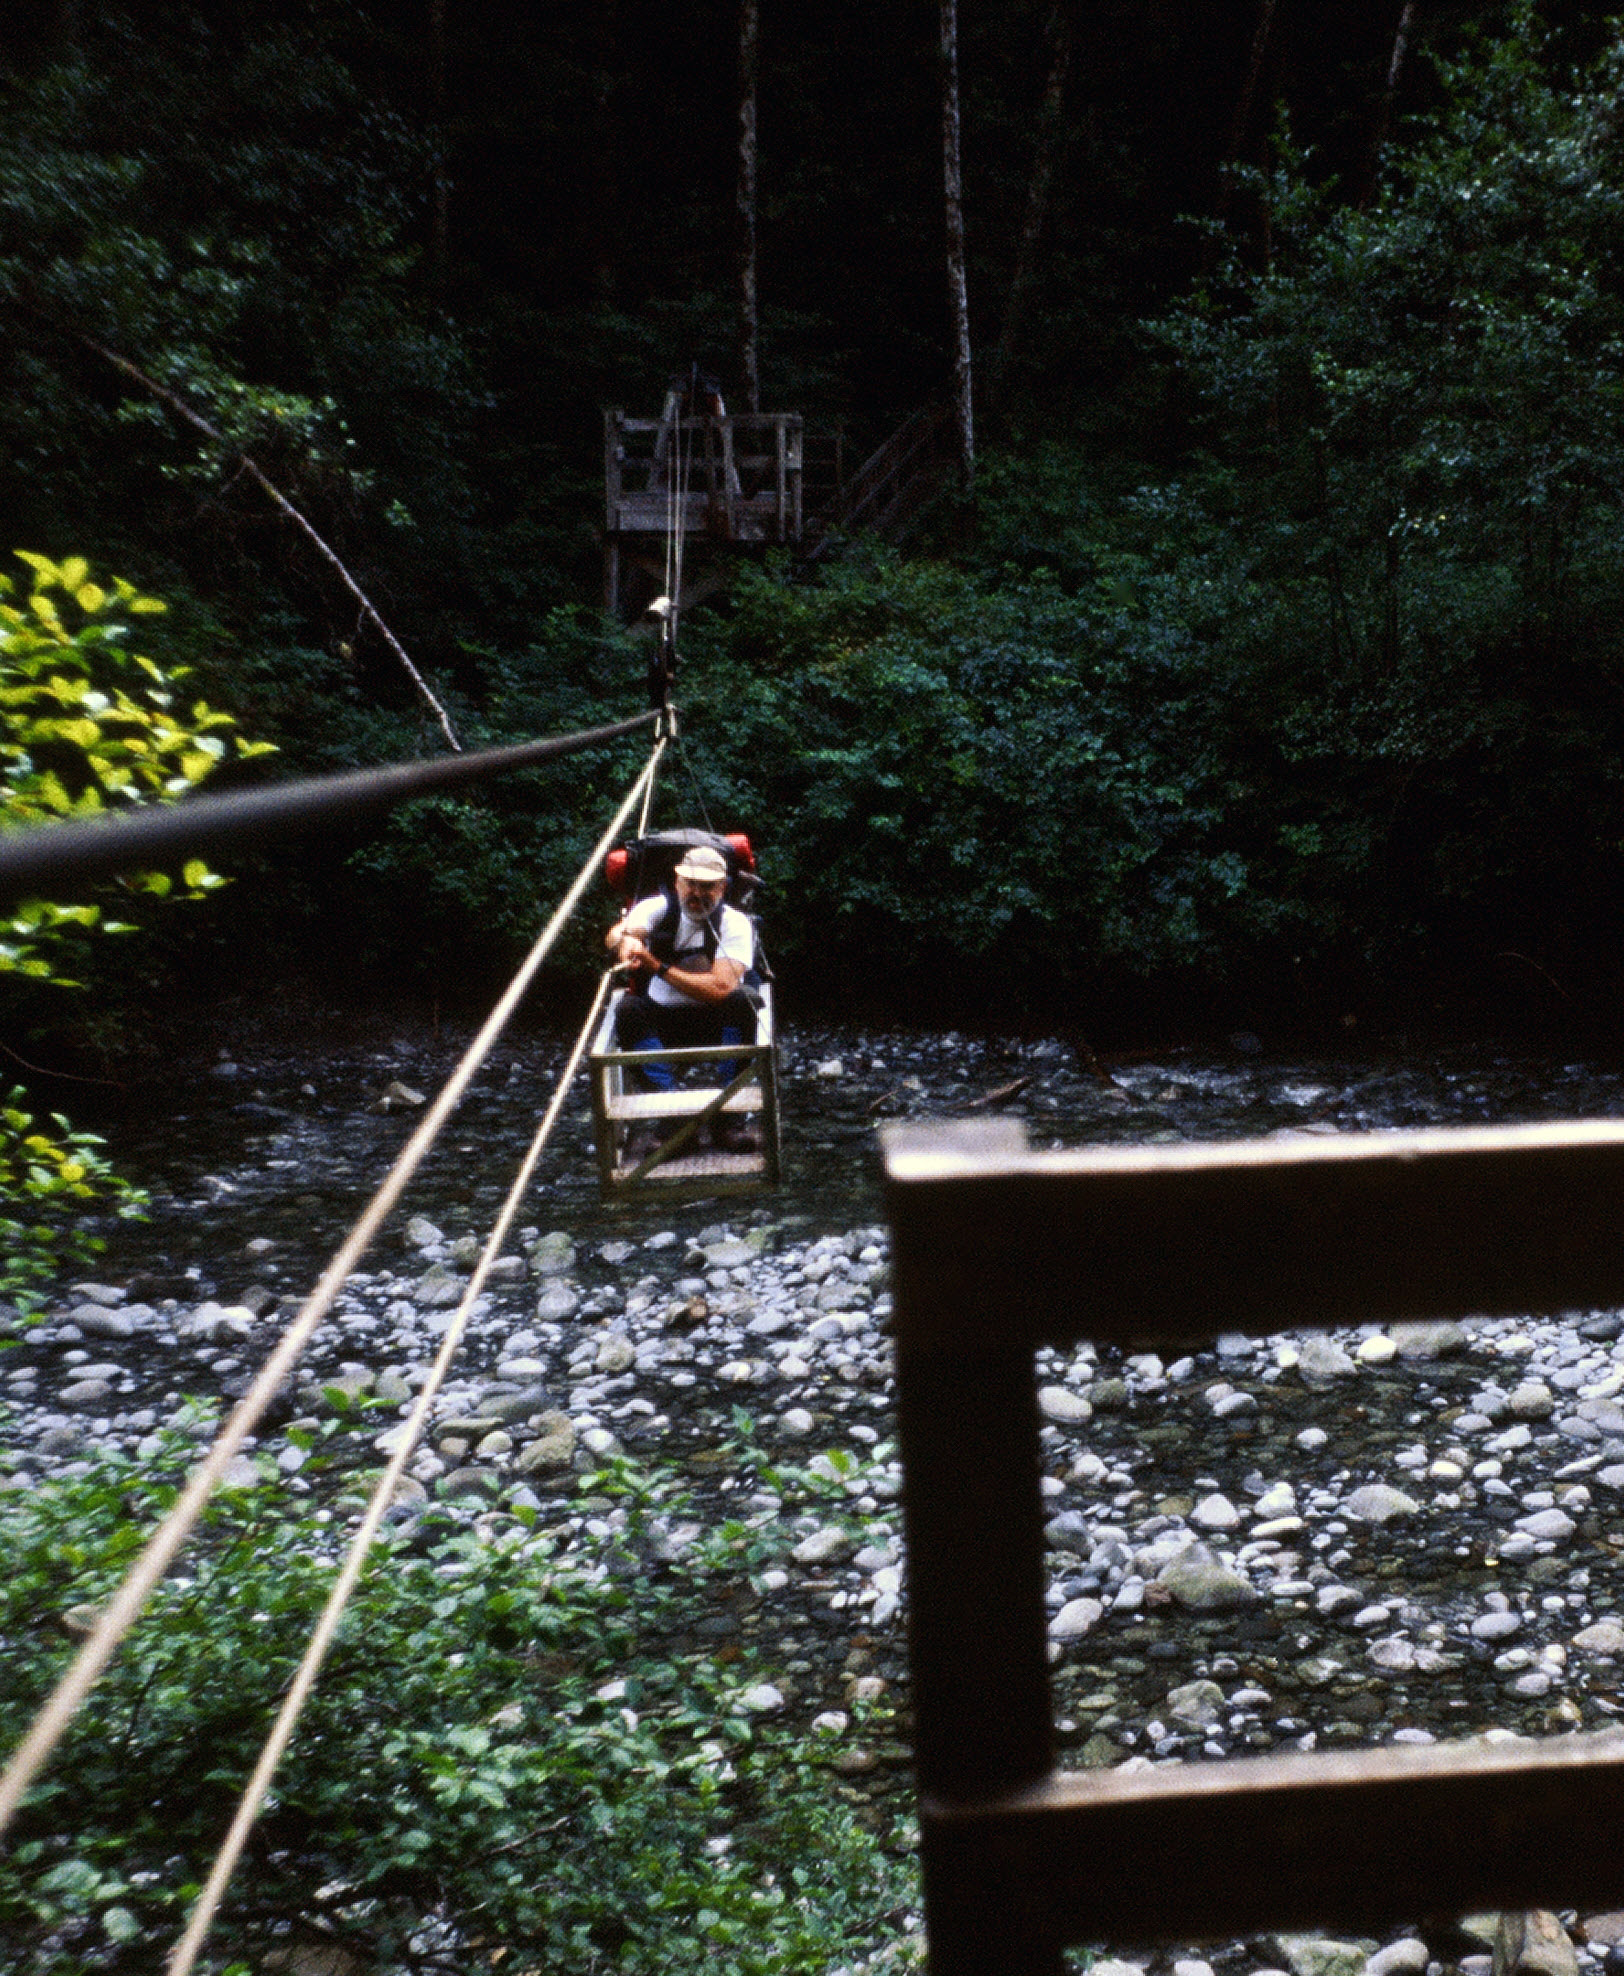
[[996, 1252]]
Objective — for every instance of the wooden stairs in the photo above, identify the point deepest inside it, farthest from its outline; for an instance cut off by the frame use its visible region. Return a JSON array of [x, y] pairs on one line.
[[890, 491]]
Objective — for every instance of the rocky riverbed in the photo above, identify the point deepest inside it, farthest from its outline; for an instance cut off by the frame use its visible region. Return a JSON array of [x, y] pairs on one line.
[[1324, 1539]]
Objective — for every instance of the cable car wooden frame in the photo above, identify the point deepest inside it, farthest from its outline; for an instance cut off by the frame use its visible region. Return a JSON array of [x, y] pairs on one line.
[[681, 1168], [997, 1251]]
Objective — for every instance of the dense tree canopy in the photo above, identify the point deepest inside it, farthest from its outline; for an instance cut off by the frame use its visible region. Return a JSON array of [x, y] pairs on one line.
[[1278, 657]]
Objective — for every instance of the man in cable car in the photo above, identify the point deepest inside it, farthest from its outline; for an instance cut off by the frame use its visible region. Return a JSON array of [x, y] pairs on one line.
[[688, 956]]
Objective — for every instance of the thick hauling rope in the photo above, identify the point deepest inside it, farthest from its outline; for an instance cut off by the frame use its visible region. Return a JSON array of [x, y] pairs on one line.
[[124, 1607]]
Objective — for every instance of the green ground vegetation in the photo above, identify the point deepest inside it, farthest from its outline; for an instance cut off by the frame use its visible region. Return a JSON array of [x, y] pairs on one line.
[[519, 1747]]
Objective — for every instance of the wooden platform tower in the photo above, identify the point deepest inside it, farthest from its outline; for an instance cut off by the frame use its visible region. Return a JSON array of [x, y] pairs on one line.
[[746, 483], [727, 483]]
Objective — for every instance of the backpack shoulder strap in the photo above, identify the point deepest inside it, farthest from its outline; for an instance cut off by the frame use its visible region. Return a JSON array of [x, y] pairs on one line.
[[661, 938]]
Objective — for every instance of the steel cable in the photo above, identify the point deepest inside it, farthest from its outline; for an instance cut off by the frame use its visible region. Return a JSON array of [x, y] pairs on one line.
[[122, 1609], [184, 1953], [65, 854]]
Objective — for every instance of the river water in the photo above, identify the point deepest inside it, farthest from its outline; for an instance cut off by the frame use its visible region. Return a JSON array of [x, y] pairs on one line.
[[1490, 1599], [289, 1147]]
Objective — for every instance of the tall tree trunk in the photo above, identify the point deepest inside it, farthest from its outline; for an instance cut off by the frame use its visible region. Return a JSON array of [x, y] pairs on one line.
[[749, 318], [605, 154], [1037, 191], [958, 294], [1384, 109], [440, 208], [1240, 123]]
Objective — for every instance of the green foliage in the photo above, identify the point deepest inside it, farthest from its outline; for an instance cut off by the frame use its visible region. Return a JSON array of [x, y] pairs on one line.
[[1427, 395], [1419, 409], [1290, 653], [49, 1177], [471, 876], [513, 1746], [87, 726], [962, 772]]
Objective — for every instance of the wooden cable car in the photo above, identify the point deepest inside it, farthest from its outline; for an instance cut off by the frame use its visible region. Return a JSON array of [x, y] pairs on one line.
[[625, 1111]]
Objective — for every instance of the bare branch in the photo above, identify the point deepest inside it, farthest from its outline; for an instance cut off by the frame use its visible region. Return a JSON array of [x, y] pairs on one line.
[[251, 467]]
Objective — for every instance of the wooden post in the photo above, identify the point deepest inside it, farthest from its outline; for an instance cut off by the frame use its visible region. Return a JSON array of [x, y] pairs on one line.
[[780, 484], [796, 443], [612, 452], [973, 1509], [968, 1428]]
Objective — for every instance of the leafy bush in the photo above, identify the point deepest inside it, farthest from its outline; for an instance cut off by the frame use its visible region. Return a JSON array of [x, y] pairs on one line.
[[512, 1746], [953, 773], [46, 1179], [86, 727]]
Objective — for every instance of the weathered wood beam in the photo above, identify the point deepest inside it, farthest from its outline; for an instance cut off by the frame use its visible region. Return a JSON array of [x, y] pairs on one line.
[[1169, 1241]]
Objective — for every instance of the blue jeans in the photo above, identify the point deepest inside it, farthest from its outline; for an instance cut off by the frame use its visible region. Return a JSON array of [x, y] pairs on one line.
[[641, 1023]]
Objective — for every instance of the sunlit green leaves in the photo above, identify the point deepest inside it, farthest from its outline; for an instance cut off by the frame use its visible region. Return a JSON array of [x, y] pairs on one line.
[[49, 1174], [88, 726]]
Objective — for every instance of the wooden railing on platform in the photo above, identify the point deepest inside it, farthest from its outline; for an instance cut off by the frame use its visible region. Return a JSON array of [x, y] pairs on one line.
[[996, 1252], [740, 477]]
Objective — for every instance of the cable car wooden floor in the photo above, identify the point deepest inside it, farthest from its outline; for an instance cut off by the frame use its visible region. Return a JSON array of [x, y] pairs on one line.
[[619, 1109]]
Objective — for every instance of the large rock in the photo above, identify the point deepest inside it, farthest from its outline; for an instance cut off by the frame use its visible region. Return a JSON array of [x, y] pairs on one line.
[[99, 1321], [503, 1409], [214, 1324], [1321, 1362], [1069, 1531], [1408, 1956], [1319, 1955], [829, 1545], [354, 1382], [397, 1097], [616, 1354], [1216, 1513], [1076, 1618], [1555, 1524], [553, 1449], [437, 1288], [729, 1255], [1199, 1583], [1430, 1338], [553, 1255], [86, 1394], [1378, 1502], [1533, 1943], [1196, 1705], [103, 1294]]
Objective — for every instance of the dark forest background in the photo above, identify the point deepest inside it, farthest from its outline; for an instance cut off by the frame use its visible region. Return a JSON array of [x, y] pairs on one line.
[[1272, 669]]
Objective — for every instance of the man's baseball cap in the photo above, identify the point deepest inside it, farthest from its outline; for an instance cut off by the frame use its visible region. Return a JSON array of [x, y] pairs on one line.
[[704, 865]]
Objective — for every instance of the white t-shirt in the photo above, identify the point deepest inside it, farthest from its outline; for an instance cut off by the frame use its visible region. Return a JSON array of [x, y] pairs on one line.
[[735, 941]]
